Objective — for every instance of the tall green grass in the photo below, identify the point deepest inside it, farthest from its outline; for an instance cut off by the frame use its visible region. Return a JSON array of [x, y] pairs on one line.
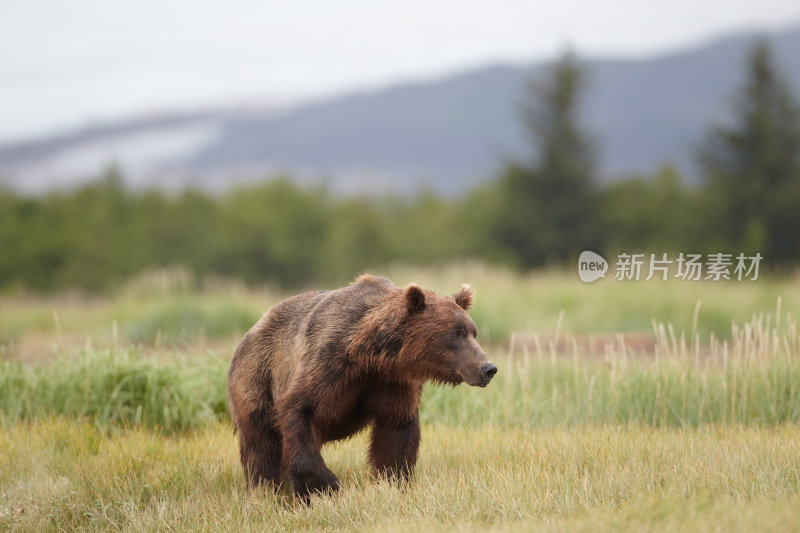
[[173, 307], [178, 321], [753, 378], [117, 387]]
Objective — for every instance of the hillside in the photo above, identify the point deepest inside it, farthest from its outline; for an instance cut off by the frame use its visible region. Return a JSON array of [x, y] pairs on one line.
[[445, 133]]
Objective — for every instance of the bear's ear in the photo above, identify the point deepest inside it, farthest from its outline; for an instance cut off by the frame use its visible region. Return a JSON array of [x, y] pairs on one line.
[[415, 298], [464, 297]]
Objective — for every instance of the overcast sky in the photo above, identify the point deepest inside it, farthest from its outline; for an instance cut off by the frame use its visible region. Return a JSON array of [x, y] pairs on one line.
[[65, 63]]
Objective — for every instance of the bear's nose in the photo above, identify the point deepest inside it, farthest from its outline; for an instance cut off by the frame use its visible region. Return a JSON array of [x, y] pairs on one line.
[[489, 370]]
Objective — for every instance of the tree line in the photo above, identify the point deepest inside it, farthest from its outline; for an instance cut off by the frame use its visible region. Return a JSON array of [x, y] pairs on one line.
[[541, 212]]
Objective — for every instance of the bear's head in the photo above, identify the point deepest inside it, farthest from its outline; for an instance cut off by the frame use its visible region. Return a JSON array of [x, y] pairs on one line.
[[440, 338]]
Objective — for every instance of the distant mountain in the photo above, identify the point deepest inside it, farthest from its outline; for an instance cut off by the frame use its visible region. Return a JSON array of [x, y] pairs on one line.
[[444, 134]]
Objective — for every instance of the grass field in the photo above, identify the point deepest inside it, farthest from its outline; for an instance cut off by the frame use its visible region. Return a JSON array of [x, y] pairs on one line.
[[170, 308], [696, 429], [57, 474]]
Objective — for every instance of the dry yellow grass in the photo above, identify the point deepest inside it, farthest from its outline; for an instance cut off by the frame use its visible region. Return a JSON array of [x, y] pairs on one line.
[[64, 475]]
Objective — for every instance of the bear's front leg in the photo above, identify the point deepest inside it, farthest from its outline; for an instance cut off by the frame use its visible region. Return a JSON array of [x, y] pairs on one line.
[[307, 469], [394, 448]]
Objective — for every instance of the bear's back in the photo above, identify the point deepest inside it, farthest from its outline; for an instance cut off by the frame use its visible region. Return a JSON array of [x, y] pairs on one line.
[[310, 330]]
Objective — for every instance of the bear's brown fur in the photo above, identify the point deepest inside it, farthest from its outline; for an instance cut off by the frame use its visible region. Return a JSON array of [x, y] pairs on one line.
[[321, 366]]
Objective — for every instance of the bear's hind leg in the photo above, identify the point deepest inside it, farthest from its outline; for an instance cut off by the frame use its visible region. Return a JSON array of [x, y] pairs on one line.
[[307, 469], [394, 448], [260, 448]]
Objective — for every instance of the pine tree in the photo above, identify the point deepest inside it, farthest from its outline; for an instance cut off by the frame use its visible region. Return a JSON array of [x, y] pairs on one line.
[[549, 211], [752, 167]]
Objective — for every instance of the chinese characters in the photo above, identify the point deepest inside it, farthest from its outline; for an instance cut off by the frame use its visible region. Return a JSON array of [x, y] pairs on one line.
[[690, 267]]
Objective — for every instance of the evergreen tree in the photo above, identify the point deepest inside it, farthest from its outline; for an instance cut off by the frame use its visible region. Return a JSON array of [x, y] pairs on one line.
[[549, 207], [752, 167]]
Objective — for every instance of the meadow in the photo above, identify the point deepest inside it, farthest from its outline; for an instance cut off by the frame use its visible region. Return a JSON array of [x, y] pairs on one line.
[[618, 406]]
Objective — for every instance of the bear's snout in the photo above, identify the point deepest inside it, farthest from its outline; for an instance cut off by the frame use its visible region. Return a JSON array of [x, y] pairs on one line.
[[489, 370]]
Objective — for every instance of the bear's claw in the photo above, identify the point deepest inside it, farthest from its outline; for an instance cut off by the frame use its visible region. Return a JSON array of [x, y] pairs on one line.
[[305, 486]]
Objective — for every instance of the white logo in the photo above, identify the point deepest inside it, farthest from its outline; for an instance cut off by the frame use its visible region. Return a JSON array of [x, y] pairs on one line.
[[591, 266]]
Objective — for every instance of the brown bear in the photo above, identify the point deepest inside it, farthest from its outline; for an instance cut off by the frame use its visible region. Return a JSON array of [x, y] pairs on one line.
[[322, 365]]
